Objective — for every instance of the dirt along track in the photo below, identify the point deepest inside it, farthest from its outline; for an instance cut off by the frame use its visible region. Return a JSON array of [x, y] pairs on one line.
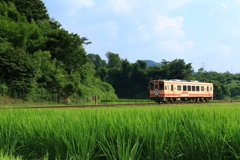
[[114, 105], [81, 106]]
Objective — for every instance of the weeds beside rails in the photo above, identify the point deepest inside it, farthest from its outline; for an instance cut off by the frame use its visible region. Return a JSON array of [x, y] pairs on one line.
[[209, 131]]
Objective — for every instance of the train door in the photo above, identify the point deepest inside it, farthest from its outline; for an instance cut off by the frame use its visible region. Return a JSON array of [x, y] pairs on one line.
[[208, 91], [172, 90], [156, 88]]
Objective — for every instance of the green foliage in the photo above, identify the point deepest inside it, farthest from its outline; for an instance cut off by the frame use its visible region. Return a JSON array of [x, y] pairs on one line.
[[206, 131], [31, 9], [114, 60], [97, 61], [39, 57], [225, 84], [177, 69], [130, 80]]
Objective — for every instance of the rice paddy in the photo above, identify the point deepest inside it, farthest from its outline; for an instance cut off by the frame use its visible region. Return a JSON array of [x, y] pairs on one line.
[[209, 131]]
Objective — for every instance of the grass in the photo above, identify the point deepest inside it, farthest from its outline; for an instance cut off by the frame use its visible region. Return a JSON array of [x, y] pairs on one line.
[[200, 131]]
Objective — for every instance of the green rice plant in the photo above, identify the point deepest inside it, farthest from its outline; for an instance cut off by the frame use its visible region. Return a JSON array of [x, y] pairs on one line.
[[209, 131]]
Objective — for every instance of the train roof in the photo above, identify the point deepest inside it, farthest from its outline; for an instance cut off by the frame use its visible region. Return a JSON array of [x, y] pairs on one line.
[[179, 80]]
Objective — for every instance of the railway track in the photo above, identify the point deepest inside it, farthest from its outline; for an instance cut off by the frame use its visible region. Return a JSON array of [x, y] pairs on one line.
[[114, 105]]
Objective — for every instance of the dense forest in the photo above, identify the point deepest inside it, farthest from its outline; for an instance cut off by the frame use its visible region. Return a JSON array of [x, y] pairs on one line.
[[40, 59]]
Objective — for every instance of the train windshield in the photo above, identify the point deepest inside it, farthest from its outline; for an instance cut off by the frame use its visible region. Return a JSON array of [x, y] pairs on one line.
[[161, 85], [151, 85]]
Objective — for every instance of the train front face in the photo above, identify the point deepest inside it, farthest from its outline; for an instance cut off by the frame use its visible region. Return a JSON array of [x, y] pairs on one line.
[[154, 87]]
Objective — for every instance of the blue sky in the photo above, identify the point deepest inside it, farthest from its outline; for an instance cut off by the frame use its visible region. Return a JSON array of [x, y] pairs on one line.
[[202, 32]]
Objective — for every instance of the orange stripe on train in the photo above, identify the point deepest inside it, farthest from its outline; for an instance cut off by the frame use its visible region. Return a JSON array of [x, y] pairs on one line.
[[175, 95]]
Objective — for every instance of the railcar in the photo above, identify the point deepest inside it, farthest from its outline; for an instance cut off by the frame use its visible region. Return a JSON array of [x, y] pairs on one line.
[[180, 90]]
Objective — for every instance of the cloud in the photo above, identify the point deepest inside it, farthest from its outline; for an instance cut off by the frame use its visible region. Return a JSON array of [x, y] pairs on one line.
[[174, 4], [169, 27], [176, 47], [120, 6], [224, 49], [224, 6], [108, 29], [236, 32], [220, 50], [212, 13], [141, 34], [75, 5]]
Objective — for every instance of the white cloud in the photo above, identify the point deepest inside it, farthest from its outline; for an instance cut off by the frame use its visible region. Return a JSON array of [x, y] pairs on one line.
[[212, 13], [110, 29], [174, 4], [224, 49], [176, 47], [169, 27], [120, 6], [75, 5], [236, 32], [141, 34], [224, 6]]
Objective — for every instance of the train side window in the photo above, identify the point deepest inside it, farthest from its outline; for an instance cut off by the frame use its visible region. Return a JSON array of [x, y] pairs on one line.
[[207, 88], [202, 88], [197, 88], [193, 88], [179, 87], [166, 87], [184, 88], [189, 88], [171, 87]]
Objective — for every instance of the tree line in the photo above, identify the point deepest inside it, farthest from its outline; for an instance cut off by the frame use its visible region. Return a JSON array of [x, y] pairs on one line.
[[130, 80], [38, 57]]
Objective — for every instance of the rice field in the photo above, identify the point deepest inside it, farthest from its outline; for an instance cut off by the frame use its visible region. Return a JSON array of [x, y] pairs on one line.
[[199, 132]]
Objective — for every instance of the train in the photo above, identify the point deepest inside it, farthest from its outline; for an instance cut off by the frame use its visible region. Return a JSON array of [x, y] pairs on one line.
[[174, 90]]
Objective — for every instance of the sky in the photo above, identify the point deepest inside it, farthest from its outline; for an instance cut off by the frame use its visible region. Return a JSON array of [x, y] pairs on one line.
[[205, 33]]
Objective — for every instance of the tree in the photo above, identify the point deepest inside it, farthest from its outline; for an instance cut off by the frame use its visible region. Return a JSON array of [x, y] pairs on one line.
[[154, 72], [97, 61], [220, 91], [32, 9], [114, 60]]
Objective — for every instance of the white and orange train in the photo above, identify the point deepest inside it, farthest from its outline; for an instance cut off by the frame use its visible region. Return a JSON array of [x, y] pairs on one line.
[[180, 90]]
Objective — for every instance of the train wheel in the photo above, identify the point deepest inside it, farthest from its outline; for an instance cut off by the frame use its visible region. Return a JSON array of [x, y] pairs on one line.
[[196, 100]]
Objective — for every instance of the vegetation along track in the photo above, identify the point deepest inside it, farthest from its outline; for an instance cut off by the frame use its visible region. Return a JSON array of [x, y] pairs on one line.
[[115, 105]]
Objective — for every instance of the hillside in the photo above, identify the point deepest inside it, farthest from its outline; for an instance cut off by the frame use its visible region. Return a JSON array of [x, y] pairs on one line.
[[152, 63]]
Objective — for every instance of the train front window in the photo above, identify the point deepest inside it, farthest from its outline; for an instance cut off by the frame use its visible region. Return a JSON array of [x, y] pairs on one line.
[[161, 85], [151, 86]]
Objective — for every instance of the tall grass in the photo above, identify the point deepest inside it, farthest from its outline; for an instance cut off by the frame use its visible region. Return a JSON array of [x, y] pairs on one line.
[[208, 131]]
